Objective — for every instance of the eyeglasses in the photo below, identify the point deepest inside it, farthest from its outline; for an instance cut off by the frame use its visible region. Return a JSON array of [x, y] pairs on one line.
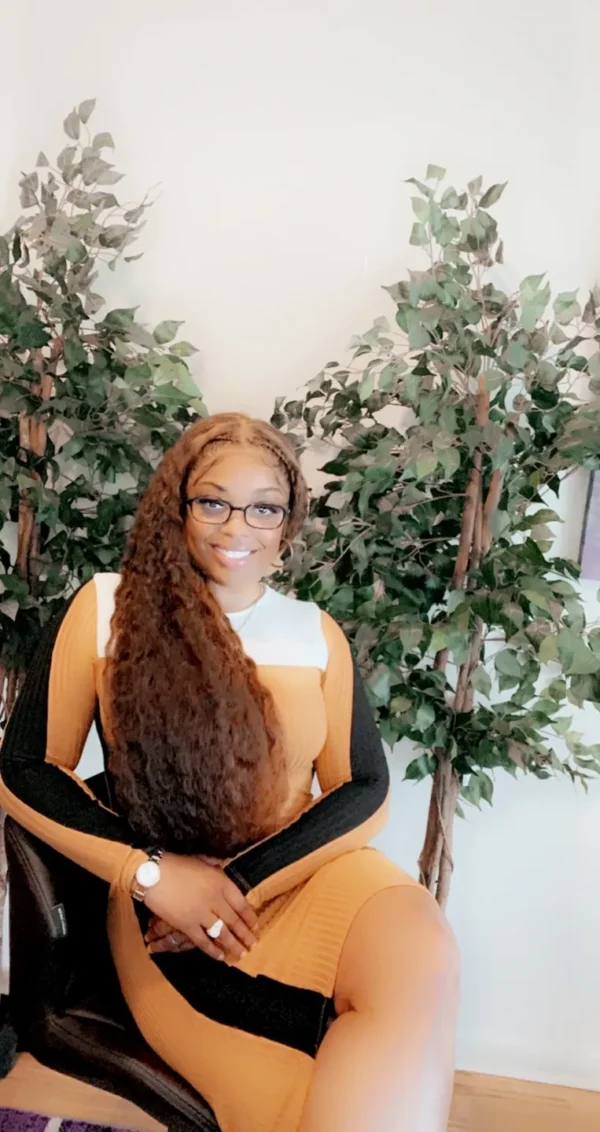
[[261, 516]]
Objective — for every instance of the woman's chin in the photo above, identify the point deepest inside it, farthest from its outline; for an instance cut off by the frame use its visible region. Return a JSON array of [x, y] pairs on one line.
[[233, 578]]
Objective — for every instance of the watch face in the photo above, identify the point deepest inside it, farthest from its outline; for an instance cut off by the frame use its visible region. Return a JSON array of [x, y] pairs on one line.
[[148, 874]]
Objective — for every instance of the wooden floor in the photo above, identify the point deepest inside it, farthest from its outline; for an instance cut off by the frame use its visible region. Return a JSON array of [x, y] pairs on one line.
[[481, 1104]]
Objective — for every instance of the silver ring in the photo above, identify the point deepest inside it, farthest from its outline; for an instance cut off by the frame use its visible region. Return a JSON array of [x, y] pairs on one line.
[[215, 931]]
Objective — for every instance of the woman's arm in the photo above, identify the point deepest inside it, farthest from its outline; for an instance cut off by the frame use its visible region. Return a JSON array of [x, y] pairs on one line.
[[42, 746], [354, 777]]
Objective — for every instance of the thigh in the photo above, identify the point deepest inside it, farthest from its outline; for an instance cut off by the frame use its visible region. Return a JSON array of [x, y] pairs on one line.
[[399, 955]]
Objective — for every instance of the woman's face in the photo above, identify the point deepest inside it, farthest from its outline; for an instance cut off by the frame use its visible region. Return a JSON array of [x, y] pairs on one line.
[[234, 554]]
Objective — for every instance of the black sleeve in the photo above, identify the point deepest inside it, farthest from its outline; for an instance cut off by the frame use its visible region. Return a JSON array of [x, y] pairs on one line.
[[46, 798], [354, 775]]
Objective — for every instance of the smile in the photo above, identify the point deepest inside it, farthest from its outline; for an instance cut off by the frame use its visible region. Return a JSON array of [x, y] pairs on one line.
[[232, 555]]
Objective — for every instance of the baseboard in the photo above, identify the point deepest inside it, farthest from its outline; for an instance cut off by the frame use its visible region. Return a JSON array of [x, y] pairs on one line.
[[548, 1065]]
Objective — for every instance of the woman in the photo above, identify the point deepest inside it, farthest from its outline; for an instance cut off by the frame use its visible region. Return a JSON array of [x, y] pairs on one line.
[[299, 981]]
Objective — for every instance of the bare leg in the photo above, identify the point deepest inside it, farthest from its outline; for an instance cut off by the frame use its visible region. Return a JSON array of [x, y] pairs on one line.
[[386, 1064]]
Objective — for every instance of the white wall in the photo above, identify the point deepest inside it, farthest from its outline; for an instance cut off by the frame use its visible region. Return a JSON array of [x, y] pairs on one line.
[[281, 134]]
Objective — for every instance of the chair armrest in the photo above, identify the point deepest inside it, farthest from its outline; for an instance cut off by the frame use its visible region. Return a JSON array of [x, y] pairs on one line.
[[52, 904]]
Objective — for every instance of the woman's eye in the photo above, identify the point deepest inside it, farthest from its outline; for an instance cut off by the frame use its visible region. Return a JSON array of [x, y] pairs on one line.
[[213, 505], [265, 509]]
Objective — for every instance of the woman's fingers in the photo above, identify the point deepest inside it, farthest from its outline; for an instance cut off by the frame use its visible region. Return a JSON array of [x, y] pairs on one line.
[[199, 938], [238, 928], [230, 945], [157, 929], [173, 941], [241, 906]]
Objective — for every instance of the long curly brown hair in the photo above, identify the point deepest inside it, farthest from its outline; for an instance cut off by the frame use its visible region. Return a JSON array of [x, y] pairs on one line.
[[195, 755]]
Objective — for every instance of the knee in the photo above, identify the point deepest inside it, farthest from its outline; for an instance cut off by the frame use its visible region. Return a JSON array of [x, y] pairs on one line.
[[428, 944], [412, 954]]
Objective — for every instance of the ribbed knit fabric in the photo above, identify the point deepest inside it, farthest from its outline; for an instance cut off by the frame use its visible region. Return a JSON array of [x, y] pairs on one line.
[[245, 1037]]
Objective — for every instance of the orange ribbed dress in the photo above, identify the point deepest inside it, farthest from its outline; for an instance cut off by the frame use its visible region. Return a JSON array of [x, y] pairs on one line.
[[245, 1037]]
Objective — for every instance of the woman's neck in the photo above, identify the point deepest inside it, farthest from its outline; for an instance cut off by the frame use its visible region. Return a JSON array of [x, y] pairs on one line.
[[235, 601]]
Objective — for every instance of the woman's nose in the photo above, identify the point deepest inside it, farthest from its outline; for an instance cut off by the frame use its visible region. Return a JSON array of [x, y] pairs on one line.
[[236, 523]]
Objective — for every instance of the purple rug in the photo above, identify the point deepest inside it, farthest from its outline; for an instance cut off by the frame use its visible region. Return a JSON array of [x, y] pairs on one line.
[[13, 1121]]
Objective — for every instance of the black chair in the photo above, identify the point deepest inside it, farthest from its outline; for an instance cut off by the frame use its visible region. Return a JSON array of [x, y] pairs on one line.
[[65, 1002]]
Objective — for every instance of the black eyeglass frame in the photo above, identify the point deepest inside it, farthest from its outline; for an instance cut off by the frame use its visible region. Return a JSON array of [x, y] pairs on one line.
[[286, 511]]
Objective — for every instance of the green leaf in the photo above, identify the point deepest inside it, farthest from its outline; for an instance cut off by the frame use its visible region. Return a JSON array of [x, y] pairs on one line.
[[450, 199], [474, 186], [425, 716], [421, 208], [41, 159], [338, 499], [390, 375], [400, 705], [486, 786], [379, 684], [103, 141], [32, 335], [516, 355], [183, 349], [435, 173], [109, 177], [86, 109], [366, 386], [27, 197], [418, 336], [492, 194], [471, 791], [548, 650], [420, 768], [74, 353], [575, 656], [120, 318], [566, 307], [562, 724], [134, 214], [419, 236], [507, 662], [449, 458], [425, 465], [76, 251], [537, 599], [72, 125], [4, 252], [166, 331], [481, 681], [456, 598], [533, 308]]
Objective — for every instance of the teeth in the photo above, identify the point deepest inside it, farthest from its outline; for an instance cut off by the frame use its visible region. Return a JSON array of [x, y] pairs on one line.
[[235, 553]]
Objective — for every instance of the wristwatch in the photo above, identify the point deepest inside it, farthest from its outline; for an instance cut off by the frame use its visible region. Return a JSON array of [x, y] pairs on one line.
[[147, 874]]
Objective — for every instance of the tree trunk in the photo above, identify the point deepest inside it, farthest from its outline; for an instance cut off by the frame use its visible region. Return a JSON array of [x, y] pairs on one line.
[[436, 863]]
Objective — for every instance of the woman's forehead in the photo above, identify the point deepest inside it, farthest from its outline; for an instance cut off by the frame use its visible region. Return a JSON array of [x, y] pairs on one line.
[[234, 462]]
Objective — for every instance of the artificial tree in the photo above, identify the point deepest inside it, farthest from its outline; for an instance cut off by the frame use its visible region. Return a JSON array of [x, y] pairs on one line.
[[431, 542], [89, 398]]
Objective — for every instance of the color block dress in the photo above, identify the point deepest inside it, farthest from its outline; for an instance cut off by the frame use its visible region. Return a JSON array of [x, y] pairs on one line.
[[244, 1036]]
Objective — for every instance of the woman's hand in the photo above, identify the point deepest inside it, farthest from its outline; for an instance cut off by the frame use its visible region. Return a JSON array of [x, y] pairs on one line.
[[192, 895], [163, 937]]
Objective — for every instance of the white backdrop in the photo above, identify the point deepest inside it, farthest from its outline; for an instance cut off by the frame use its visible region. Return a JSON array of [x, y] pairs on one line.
[[281, 134]]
